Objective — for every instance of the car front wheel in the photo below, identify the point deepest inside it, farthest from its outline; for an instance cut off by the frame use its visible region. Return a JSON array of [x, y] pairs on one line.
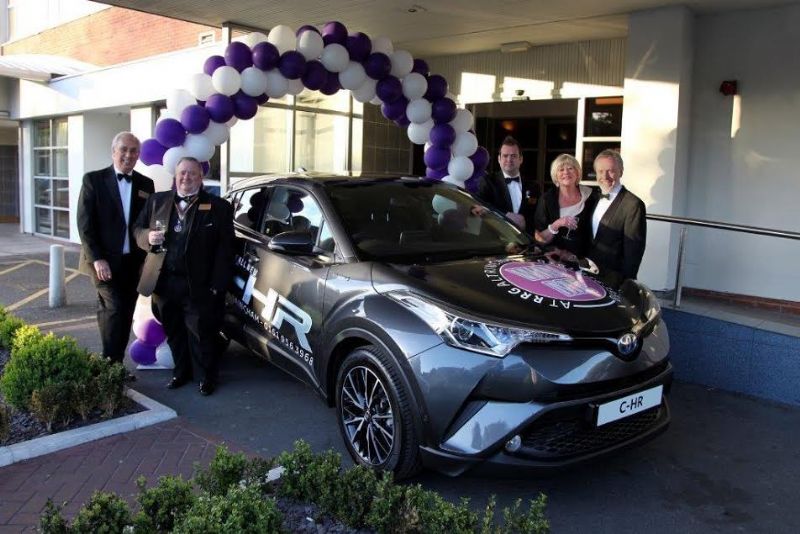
[[374, 413]]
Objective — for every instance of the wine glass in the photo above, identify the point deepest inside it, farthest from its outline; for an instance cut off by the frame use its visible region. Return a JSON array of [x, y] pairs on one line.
[[159, 227], [569, 230]]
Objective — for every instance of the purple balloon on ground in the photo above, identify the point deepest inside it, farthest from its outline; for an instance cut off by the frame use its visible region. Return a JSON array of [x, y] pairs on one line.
[[334, 32], [305, 28], [244, 106], [265, 56], [359, 46], [315, 76], [437, 157], [331, 85], [292, 64], [378, 66], [205, 167], [437, 87], [421, 67], [444, 110], [238, 55], [389, 89], [396, 109], [443, 135], [195, 119], [262, 99], [142, 354], [480, 159], [436, 174], [152, 333], [212, 64], [170, 133], [220, 108], [152, 152]]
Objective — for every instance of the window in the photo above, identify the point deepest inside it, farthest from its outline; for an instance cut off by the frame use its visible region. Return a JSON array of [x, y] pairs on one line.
[[248, 207], [295, 210], [51, 177]]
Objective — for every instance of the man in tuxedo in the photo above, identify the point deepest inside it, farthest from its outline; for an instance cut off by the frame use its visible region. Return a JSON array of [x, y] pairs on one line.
[[505, 190], [109, 203], [619, 226], [187, 270]]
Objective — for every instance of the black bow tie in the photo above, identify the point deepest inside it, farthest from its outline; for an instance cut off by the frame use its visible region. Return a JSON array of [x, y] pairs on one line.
[[187, 198], [125, 177], [514, 179], [606, 196]]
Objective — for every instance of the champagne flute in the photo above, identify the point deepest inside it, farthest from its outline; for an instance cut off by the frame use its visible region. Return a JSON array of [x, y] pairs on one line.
[[569, 229], [159, 227]]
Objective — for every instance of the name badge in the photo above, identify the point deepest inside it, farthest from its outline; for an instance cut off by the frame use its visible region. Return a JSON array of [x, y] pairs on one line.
[[143, 194], [204, 207]]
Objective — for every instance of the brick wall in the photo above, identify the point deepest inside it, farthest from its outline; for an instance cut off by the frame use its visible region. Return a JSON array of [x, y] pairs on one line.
[[112, 36]]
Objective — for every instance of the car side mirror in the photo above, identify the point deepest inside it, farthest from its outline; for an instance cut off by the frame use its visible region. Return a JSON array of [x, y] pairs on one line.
[[292, 242]]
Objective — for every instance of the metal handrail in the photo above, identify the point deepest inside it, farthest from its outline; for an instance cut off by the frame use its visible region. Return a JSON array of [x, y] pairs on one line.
[[685, 221]]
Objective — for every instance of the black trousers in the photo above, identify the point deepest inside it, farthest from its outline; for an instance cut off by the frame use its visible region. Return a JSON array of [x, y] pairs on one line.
[[116, 302], [191, 332]]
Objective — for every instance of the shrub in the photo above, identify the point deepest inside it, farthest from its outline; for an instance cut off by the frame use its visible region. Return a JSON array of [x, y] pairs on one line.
[[85, 397], [8, 327], [226, 470], [5, 421], [532, 521], [52, 522], [52, 402], [110, 387], [40, 361], [242, 510], [307, 476], [352, 496], [163, 505], [104, 513]]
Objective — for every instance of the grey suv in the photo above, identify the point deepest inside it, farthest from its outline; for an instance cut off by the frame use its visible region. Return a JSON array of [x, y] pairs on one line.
[[441, 335]]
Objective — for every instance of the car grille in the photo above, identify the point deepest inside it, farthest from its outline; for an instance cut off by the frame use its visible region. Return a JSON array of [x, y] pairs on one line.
[[559, 439]]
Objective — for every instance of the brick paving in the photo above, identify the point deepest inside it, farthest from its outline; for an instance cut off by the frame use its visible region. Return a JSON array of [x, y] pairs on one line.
[[110, 464]]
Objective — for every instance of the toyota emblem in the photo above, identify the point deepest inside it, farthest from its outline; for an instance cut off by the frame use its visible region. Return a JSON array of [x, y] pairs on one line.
[[627, 344]]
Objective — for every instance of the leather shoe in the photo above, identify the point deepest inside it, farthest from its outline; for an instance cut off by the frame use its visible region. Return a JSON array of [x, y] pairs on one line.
[[130, 377], [207, 388], [175, 383]]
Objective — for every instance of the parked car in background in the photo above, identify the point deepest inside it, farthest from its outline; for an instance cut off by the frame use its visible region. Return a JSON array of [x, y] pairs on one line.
[[442, 336]]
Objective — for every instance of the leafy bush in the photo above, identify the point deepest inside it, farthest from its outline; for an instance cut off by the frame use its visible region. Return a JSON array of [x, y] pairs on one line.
[[226, 470], [85, 398], [163, 505], [533, 521], [104, 513], [242, 510], [358, 480], [5, 421], [110, 387], [8, 327], [52, 522], [52, 402]]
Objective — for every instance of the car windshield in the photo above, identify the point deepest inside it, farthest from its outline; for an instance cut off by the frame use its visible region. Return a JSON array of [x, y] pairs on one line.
[[421, 221]]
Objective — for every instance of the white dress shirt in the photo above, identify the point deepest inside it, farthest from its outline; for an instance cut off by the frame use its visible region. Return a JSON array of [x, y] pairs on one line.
[[125, 188], [602, 207], [515, 191]]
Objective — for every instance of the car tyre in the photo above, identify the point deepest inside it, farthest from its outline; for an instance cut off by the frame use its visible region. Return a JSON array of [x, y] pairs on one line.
[[374, 413]]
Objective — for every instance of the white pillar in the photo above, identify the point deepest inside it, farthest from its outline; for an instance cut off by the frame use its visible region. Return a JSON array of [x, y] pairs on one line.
[[655, 128], [58, 294]]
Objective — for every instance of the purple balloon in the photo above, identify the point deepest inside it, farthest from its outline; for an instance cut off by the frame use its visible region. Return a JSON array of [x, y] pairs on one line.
[[265, 56], [212, 64], [444, 110], [480, 159], [334, 32], [170, 133], [437, 157], [437, 88], [152, 333], [359, 46], [244, 106], [307, 27], [238, 55], [421, 67], [331, 85], [220, 108], [471, 184], [402, 121], [205, 167], [435, 174], [142, 354], [262, 99], [378, 66], [315, 75], [292, 64], [152, 152], [389, 89], [395, 110], [443, 135], [195, 119]]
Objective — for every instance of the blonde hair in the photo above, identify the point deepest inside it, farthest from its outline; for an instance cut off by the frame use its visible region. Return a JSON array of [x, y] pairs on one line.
[[560, 161]]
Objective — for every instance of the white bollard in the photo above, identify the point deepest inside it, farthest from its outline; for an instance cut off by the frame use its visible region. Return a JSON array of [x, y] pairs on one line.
[[58, 295]]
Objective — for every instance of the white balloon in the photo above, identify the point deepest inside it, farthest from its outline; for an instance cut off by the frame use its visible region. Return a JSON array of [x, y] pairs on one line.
[[465, 144], [252, 39], [366, 92], [162, 179], [460, 168], [335, 57], [402, 63], [200, 86], [383, 45], [226, 80], [420, 133], [164, 356], [217, 133], [282, 36], [254, 81], [277, 84], [171, 158], [376, 101], [232, 122], [310, 44], [419, 110], [454, 180], [296, 86], [414, 85], [462, 121], [178, 100], [199, 147], [353, 76]]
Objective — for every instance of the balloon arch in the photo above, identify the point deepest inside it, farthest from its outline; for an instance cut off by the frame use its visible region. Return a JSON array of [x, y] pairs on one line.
[[260, 67]]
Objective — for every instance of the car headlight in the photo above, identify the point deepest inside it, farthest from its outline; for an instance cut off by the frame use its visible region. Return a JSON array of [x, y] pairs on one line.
[[470, 334]]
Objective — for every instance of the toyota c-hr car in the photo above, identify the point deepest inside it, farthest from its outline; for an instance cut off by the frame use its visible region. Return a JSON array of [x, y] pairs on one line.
[[440, 333]]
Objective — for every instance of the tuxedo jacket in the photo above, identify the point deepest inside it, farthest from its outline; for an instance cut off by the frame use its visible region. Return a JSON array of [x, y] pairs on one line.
[[209, 245], [492, 189], [620, 239], [101, 219]]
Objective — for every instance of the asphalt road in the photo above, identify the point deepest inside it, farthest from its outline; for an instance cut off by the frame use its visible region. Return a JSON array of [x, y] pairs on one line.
[[727, 464]]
